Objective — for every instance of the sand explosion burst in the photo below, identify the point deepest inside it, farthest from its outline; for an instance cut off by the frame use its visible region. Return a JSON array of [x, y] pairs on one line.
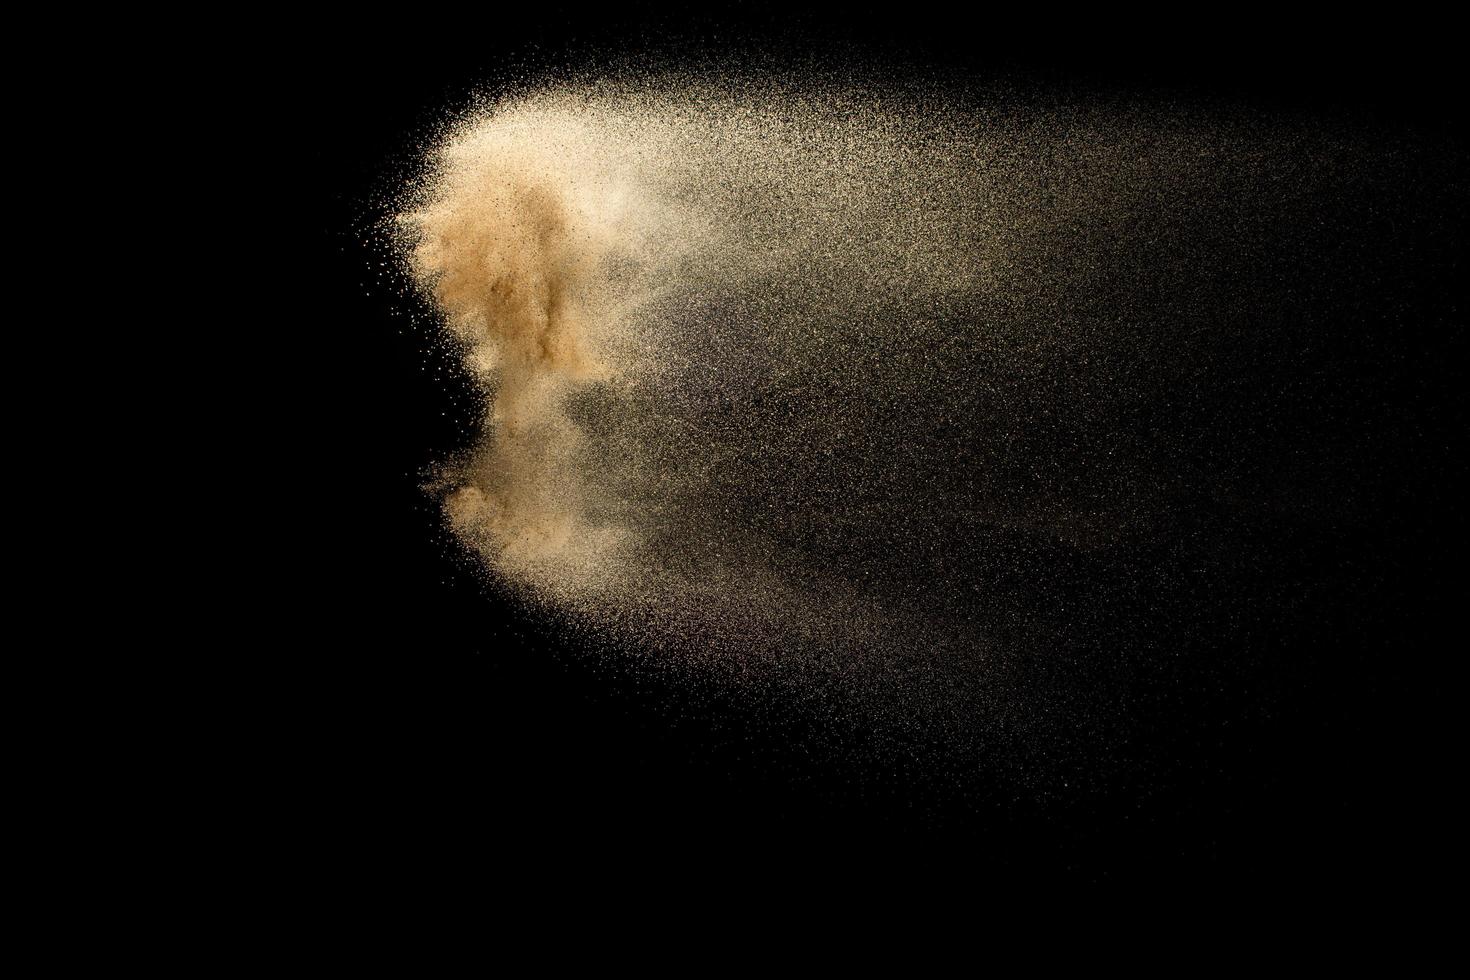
[[846, 387]]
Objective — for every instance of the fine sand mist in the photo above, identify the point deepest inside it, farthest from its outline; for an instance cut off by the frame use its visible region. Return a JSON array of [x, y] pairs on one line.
[[856, 393]]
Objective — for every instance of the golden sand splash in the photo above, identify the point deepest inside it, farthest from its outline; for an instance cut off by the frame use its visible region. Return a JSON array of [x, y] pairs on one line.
[[763, 367]]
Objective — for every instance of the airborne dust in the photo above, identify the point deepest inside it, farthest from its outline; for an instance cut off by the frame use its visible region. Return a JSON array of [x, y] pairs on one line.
[[916, 406]]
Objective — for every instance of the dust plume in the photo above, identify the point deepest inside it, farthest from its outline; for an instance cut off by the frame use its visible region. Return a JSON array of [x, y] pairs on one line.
[[858, 391]]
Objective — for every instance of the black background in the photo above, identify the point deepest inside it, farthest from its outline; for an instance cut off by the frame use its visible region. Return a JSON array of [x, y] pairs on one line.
[[450, 740]]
